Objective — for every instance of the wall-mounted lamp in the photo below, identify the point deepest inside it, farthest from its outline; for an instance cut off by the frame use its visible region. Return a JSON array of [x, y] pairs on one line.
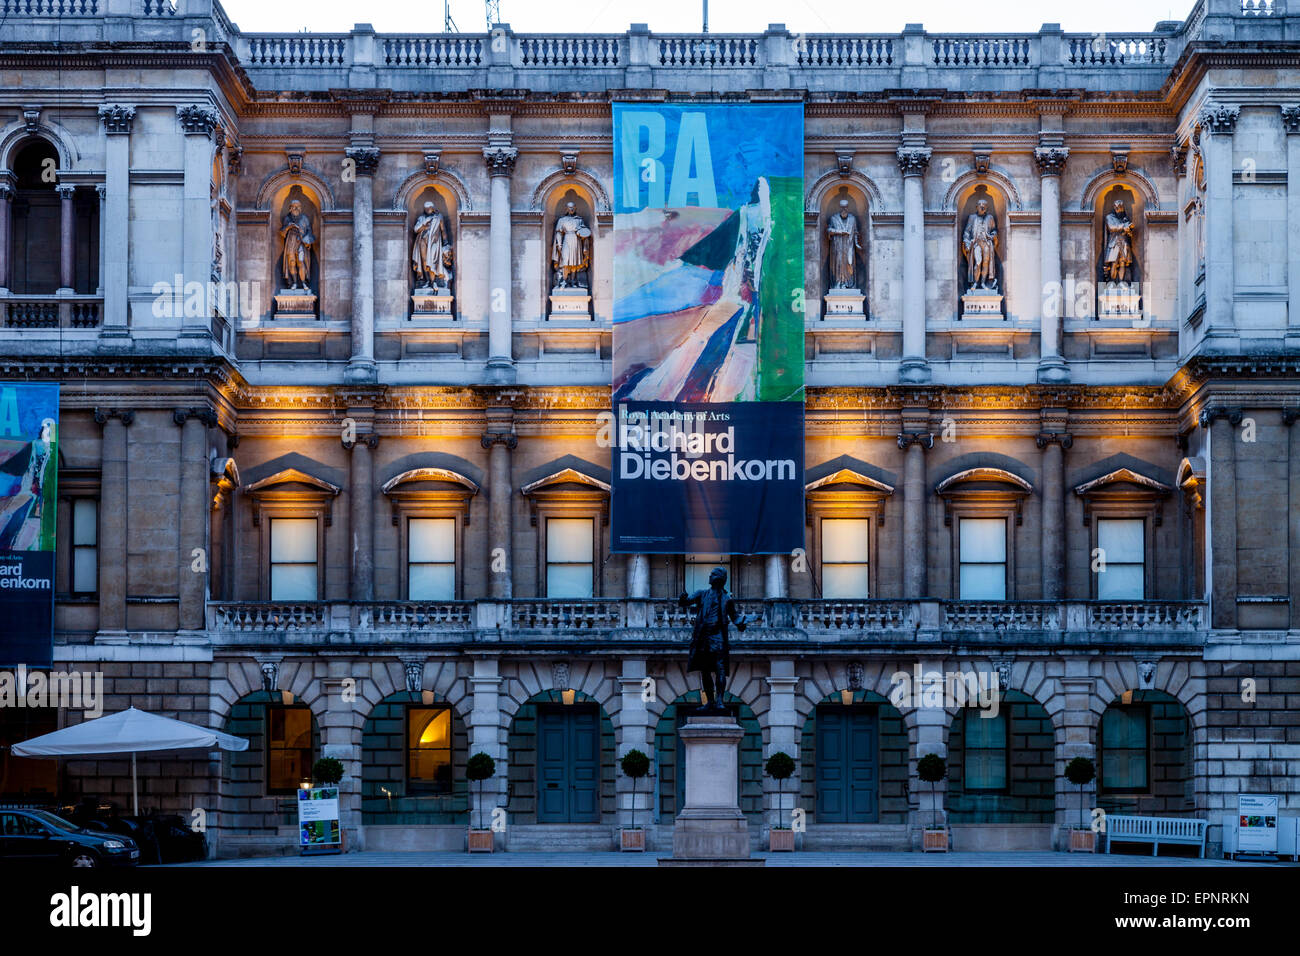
[[846, 697]]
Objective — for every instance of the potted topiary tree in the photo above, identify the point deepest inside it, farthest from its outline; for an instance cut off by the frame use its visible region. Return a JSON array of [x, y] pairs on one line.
[[635, 766], [1080, 772], [780, 767], [931, 768], [478, 768], [327, 771]]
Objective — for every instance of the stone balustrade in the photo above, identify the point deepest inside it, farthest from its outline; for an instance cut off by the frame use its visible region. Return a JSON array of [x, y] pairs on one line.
[[51, 311], [831, 622]]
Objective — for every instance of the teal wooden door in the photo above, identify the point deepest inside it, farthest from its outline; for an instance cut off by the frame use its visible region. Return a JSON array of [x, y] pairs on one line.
[[568, 765], [848, 786]]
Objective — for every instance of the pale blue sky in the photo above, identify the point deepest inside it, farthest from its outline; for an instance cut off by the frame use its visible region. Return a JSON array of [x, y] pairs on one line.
[[735, 16]]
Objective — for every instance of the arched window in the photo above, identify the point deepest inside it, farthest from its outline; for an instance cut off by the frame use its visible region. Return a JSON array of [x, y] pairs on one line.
[[36, 262]]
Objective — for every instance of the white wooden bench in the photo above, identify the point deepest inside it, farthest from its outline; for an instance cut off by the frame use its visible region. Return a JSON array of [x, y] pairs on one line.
[[1155, 830]]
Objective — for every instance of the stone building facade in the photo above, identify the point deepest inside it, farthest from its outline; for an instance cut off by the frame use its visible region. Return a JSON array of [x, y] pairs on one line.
[[340, 515]]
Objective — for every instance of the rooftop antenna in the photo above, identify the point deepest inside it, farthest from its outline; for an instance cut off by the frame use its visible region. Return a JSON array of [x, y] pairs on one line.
[[493, 13], [448, 24], [706, 16]]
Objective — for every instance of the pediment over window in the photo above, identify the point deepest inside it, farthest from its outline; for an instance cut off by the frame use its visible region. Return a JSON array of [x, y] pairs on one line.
[[565, 476], [848, 492], [1123, 491], [845, 480], [430, 489], [976, 490], [293, 488], [568, 491]]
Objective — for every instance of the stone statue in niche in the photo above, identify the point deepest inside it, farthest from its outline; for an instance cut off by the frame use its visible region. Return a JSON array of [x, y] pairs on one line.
[[1118, 263], [571, 265], [431, 255], [979, 244], [844, 298], [298, 242]]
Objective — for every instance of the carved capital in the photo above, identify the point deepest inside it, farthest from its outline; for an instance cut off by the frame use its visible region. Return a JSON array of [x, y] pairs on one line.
[[509, 439], [1051, 160], [500, 160], [66, 190], [366, 159], [1219, 119], [205, 415], [924, 439], [1178, 156], [125, 416], [912, 160], [116, 117], [1064, 439], [197, 120], [1209, 415], [7, 191], [1291, 118]]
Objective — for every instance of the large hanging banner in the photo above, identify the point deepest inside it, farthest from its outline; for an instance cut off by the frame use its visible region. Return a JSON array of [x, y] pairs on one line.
[[29, 468], [708, 328]]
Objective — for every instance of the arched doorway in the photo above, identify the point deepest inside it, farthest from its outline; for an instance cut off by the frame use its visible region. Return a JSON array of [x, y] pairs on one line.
[[561, 760], [854, 756], [1144, 751], [671, 757]]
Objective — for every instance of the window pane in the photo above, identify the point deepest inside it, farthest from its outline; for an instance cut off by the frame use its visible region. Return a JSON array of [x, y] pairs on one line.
[[1124, 727], [983, 539], [431, 539], [844, 581], [432, 582], [985, 732], [844, 540], [293, 582], [1121, 540], [699, 567], [85, 568], [293, 540], [1124, 769], [1121, 582], [84, 521], [983, 582], [568, 540], [986, 770], [568, 581]]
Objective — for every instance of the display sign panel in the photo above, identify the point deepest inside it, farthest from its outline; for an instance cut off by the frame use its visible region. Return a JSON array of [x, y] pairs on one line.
[[1256, 823]]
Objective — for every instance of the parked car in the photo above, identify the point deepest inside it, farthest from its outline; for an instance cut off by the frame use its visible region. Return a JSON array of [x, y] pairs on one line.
[[38, 837]]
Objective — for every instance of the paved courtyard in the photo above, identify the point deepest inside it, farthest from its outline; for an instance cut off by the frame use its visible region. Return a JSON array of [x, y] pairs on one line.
[[773, 859]]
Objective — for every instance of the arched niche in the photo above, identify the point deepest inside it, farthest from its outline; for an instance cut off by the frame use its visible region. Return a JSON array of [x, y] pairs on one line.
[[446, 204], [1119, 297], [571, 300], [304, 303], [967, 203], [850, 198]]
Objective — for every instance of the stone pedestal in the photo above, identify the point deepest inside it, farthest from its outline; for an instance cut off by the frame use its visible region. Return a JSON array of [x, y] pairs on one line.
[[570, 303], [427, 302], [844, 303], [295, 304], [1119, 300], [711, 830], [981, 305]]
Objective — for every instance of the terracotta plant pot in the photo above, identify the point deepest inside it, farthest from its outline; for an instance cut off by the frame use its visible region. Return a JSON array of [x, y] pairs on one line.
[[632, 840], [780, 840], [1083, 841], [480, 841], [934, 840]]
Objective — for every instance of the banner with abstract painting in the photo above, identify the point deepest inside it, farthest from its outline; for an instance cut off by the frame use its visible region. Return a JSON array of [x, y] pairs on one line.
[[29, 467], [708, 328]]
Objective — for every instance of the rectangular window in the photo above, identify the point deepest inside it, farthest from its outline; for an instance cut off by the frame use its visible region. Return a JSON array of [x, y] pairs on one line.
[[1122, 545], [700, 566], [431, 559], [85, 546], [844, 558], [428, 748], [570, 558], [983, 558], [1124, 749], [293, 559], [986, 751], [288, 748]]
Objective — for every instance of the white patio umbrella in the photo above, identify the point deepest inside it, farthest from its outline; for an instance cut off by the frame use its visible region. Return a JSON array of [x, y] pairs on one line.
[[130, 731]]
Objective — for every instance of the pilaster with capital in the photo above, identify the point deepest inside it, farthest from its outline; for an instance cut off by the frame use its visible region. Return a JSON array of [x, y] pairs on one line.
[[912, 163], [1053, 441], [361, 367], [1290, 123], [198, 122], [1217, 125], [914, 443], [500, 160], [500, 440], [1051, 163], [117, 119], [113, 526], [194, 556]]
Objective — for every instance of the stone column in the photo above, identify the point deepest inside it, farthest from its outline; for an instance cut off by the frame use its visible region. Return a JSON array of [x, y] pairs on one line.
[[783, 721], [912, 161], [914, 443], [199, 123], [485, 736], [113, 522], [1217, 126], [1051, 365], [776, 577], [101, 195], [67, 237], [116, 210], [361, 512], [638, 576], [501, 166], [1291, 123], [501, 440], [6, 217], [361, 366], [193, 517], [1053, 441], [637, 734], [1185, 273], [931, 738], [340, 732], [1221, 540], [1077, 720]]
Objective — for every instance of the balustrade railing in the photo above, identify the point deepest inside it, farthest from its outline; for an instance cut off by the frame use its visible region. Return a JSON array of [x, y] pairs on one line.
[[402, 51], [51, 312], [833, 51], [708, 50], [49, 8], [239, 616], [569, 51], [308, 49], [983, 52]]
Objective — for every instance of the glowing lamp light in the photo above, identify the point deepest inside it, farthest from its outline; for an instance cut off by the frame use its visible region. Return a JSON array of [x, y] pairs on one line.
[[568, 696], [846, 697], [426, 696], [286, 697]]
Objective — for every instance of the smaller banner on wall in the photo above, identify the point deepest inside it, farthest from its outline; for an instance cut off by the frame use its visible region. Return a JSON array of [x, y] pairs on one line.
[[29, 468], [1256, 823], [318, 819]]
